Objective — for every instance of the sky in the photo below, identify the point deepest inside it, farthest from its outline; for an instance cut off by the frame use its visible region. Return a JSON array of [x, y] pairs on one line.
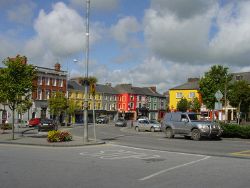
[[146, 43]]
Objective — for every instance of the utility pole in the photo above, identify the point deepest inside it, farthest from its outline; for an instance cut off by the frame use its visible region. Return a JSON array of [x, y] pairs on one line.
[[85, 131]]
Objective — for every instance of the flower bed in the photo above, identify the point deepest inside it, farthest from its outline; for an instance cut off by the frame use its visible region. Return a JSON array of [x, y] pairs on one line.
[[59, 136]]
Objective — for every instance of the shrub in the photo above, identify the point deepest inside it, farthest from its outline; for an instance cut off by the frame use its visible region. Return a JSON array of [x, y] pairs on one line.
[[59, 136], [235, 131], [6, 126]]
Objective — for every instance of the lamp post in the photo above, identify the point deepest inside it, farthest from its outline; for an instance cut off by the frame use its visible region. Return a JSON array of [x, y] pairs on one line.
[[85, 131]]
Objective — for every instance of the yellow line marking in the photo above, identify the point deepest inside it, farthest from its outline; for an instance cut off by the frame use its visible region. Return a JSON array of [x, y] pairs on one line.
[[245, 153]]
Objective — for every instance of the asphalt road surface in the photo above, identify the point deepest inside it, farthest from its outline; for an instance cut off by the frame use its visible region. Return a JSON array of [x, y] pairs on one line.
[[112, 166], [157, 140], [129, 159]]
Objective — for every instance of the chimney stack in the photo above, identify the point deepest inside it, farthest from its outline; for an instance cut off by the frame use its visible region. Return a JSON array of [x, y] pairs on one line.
[[57, 67]]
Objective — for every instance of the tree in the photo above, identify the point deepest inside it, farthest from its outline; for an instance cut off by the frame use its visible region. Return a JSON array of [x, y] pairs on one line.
[[57, 104], [215, 79], [239, 96], [183, 105], [24, 106], [16, 83], [195, 105], [72, 106]]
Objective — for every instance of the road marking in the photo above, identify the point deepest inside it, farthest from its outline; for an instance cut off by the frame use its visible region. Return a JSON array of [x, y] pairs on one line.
[[119, 154], [172, 168], [245, 153], [155, 150]]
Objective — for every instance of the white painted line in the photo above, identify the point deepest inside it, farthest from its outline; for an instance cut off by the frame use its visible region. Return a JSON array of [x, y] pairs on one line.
[[172, 168], [144, 149]]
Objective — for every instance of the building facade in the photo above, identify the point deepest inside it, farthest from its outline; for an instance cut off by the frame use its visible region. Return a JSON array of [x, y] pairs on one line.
[[48, 81], [188, 90]]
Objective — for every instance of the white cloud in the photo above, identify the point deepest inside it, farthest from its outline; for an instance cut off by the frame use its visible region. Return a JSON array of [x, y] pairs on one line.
[[179, 35], [125, 26], [60, 33]]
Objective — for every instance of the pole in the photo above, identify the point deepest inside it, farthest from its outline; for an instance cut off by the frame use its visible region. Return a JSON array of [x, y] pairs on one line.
[[85, 132], [225, 94]]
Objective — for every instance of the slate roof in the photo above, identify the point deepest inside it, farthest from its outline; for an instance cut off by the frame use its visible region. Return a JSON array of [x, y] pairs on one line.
[[128, 88], [193, 85], [243, 76], [72, 84], [100, 88]]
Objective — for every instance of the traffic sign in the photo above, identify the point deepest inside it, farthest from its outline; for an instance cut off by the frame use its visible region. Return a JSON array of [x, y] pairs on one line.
[[218, 95]]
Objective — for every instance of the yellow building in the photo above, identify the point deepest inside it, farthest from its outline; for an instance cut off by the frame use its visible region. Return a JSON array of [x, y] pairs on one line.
[[188, 90]]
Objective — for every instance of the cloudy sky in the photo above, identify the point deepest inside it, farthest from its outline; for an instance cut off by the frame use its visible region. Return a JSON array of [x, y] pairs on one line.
[[144, 42]]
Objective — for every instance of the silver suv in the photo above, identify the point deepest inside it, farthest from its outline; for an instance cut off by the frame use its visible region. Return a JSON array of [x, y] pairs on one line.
[[189, 124]]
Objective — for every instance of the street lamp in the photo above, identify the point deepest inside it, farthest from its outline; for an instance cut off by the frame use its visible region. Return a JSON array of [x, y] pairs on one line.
[[85, 131]]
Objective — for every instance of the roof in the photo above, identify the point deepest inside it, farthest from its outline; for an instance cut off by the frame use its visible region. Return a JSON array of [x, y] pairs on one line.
[[100, 88], [241, 76], [72, 84], [190, 85], [128, 88]]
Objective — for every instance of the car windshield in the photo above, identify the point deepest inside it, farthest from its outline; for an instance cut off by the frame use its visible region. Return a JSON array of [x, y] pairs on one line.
[[154, 121], [121, 120]]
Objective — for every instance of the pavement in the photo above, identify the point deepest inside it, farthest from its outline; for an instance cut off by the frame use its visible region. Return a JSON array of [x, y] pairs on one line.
[[31, 136]]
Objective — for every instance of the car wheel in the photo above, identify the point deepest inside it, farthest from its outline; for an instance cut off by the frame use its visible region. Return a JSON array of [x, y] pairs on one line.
[[169, 133], [196, 135], [137, 129], [152, 129]]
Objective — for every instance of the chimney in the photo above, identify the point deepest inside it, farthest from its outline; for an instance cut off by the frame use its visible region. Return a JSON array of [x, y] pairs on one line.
[[109, 84], [153, 88], [57, 67], [193, 79], [22, 58]]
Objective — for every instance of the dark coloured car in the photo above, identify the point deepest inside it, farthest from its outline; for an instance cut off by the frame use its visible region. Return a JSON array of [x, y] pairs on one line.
[[191, 125], [121, 123], [47, 125], [102, 119]]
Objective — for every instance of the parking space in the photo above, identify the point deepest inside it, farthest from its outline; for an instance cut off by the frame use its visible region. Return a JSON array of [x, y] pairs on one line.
[[146, 164]]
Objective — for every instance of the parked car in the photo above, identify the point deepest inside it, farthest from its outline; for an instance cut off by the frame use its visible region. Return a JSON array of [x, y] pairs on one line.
[[102, 119], [121, 123], [145, 125], [189, 124], [34, 122], [47, 125]]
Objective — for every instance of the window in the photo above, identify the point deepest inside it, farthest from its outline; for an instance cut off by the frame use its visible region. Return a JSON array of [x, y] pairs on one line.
[[123, 98], [40, 81], [131, 97], [54, 82], [60, 83], [47, 94], [47, 81], [179, 95], [39, 95], [155, 107], [140, 98], [131, 105], [191, 95], [139, 105]]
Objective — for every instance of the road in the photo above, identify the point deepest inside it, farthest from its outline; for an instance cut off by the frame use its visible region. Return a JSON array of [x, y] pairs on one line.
[[129, 159], [158, 141]]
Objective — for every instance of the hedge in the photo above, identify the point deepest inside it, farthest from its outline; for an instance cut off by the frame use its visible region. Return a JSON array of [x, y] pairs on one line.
[[235, 131]]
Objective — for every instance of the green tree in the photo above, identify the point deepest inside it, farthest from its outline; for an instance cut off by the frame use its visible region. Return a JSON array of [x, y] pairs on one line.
[[195, 105], [239, 96], [72, 107], [183, 105], [16, 83], [57, 104], [24, 106], [215, 79]]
